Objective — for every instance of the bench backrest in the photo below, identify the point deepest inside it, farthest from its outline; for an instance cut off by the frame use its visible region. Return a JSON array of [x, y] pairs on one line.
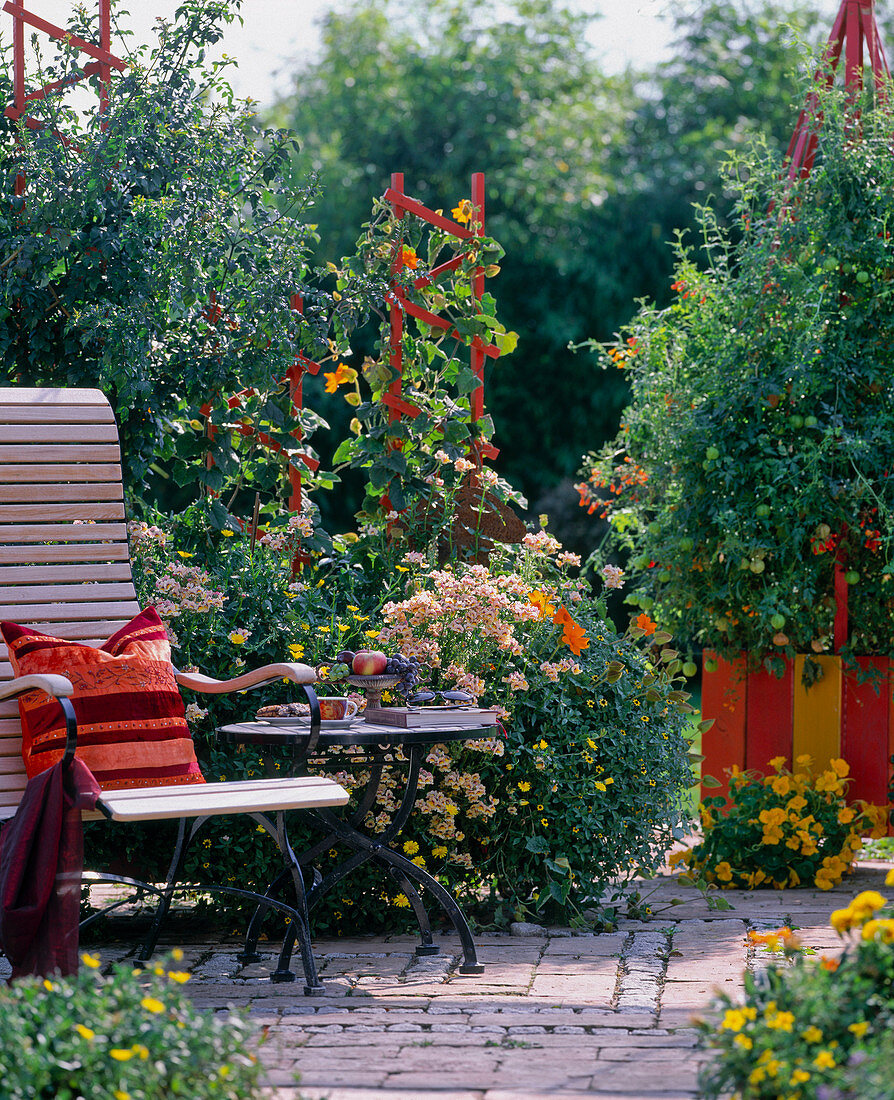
[[64, 556]]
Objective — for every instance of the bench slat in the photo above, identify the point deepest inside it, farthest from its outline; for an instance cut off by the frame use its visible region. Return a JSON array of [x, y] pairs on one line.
[[95, 510], [82, 491], [48, 396], [48, 452], [102, 552], [61, 532], [196, 800], [75, 593], [70, 471], [19, 574], [57, 433], [67, 612]]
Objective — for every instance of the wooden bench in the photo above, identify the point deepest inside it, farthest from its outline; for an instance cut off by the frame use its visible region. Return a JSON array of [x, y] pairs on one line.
[[65, 570]]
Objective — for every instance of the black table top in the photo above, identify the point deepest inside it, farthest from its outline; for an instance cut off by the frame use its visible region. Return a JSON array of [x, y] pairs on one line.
[[358, 733]]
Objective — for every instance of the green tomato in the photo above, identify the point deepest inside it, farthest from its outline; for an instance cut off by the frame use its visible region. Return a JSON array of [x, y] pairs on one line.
[[796, 421], [757, 566], [646, 603], [690, 669], [686, 545], [664, 575], [712, 454], [810, 422], [777, 621], [862, 276], [710, 665], [654, 528], [852, 576], [830, 264], [762, 511]]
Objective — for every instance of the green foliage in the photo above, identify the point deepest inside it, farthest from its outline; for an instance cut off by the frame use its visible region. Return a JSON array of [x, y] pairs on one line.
[[758, 446], [154, 252], [518, 94], [129, 1035], [588, 785], [811, 1029], [785, 829]]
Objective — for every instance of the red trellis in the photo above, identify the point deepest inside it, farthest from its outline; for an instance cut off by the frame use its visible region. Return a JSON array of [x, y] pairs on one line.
[[757, 716]]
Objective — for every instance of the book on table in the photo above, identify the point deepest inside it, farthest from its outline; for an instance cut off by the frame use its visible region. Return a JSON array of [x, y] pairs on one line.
[[421, 717]]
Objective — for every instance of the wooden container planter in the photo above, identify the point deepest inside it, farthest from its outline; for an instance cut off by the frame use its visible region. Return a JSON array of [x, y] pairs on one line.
[[757, 717]]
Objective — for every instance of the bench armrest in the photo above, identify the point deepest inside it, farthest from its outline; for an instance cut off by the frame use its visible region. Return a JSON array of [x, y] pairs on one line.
[[57, 686], [60, 687], [302, 675], [267, 674]]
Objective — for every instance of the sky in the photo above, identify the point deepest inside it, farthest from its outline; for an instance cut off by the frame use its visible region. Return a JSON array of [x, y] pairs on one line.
[[277, 36]]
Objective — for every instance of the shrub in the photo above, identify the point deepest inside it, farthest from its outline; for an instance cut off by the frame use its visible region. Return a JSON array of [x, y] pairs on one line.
[[811, 1029], [785, 829], [131, 1035], [757, 449], [587, 784]]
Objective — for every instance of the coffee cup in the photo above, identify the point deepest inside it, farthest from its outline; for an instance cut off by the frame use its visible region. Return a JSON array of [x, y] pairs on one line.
[[337, 708]]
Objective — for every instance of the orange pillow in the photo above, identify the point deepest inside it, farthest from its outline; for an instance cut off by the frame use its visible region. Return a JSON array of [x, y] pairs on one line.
[[132, 729]]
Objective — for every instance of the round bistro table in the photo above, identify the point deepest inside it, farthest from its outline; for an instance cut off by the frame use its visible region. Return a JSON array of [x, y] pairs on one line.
[[375, 745]]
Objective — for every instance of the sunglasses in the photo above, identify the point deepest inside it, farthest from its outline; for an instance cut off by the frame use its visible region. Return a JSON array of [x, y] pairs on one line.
[[450, 698]]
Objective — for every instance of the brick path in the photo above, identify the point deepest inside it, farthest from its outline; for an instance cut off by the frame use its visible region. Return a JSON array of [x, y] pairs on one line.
[[557, 1015]]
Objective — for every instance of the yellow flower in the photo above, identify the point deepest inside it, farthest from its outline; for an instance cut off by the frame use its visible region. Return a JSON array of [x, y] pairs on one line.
[[179, 976], [733, 1020], [152, 1004], [371, 633], [84, 1032], [120, 1094], [799, 1076], [237, 638], [778, 763], [541, 744], [824, 1060], [743, 1041], [228, 534], [183, 553], [439, 852], [143, 1052], [120, 1054], [296, 650], [463, 211], [724, 871], [812, 1034], [859, 1029], [411, 847], [342, 373], [47, 984], [840, 767], [879, 929], [524, 786], [889, 878], [177, 954], [93, 961], [781, 1021]]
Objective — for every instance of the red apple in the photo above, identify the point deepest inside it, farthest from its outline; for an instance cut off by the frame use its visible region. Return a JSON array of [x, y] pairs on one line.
[[369, 662]]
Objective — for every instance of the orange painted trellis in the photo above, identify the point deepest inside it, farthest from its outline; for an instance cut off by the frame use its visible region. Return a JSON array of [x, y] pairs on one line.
[[756, 716], [400, 305]]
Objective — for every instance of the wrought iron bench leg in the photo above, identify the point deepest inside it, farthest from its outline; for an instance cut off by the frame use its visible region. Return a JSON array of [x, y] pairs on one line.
[[164, 902]]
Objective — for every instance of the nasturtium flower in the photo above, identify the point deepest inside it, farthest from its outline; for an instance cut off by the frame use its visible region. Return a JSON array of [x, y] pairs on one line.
[[338, 377], [462, 212], [646, 625]]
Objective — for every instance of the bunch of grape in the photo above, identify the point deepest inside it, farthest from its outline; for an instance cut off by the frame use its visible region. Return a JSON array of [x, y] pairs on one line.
[[407, 668]]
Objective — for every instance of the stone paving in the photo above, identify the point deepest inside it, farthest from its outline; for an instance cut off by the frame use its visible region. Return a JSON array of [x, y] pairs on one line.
[[555, 1015]]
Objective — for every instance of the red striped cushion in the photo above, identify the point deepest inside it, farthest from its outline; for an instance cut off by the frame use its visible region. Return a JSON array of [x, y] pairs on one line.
[[132, 729]]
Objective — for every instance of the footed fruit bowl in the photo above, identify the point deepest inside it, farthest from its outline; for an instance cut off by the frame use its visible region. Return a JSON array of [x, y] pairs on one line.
[[373, 686]]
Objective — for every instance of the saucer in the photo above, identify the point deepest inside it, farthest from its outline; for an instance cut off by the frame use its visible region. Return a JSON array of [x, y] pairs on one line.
[[325, 724]]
